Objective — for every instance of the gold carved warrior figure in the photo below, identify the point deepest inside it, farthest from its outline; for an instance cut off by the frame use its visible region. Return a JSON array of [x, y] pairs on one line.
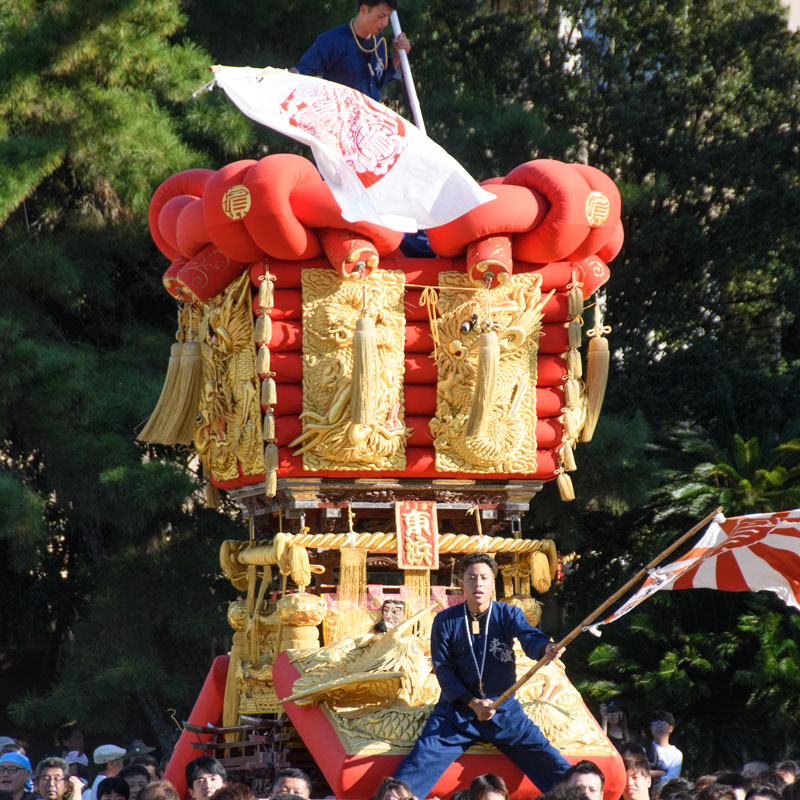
[[229, 418], [486, 393], [331, 309]]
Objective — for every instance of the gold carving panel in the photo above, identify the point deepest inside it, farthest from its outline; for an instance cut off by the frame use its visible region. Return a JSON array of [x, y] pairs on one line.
[[506, 441], [228, 430], [331, 309]]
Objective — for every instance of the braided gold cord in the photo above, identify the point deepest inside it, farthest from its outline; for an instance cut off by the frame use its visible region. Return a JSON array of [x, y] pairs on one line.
[[378, 542]]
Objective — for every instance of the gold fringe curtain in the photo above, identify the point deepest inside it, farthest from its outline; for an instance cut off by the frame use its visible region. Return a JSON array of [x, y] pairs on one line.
[[352, 593], [418, 582]]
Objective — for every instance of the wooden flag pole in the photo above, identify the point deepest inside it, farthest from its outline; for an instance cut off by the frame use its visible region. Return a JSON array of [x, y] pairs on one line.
[[407, 77], [605, 606]]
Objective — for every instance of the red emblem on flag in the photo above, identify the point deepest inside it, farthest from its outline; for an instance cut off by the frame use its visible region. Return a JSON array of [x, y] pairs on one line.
[[366, 135]]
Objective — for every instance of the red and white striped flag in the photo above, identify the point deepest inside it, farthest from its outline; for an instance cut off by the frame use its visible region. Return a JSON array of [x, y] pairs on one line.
[[753, 553], [380, 167]]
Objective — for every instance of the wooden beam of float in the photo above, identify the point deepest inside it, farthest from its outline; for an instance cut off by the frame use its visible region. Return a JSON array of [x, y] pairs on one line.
[[264, 553]]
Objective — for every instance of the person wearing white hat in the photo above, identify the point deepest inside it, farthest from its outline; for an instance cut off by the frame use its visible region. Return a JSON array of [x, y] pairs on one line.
[[5, 741], [109, 758], [78, 765]]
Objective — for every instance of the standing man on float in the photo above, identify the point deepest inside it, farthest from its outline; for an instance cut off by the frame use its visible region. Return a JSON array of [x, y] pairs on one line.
[[472, 647], [356, 54]]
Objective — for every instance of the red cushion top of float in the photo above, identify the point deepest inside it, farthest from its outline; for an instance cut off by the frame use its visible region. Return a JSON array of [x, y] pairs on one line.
[[514, 210], [315, 205], [191, 182], [565, 226], [226, 201], [603, 207], [271, 221]]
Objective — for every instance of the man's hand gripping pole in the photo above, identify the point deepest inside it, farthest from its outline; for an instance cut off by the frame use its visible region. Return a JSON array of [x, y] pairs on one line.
[[407, 77]]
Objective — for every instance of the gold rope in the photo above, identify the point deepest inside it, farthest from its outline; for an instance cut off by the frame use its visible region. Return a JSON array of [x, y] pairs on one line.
[[430, 301], [382, 542]]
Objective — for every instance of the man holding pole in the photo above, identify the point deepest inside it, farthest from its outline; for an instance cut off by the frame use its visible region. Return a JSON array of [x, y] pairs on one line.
[[472, 648], [356, 54]]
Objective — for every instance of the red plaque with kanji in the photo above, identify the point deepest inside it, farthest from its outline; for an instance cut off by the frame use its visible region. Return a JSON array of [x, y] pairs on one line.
[[417, 534]]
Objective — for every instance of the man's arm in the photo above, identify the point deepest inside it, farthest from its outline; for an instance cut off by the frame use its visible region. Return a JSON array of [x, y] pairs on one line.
[[315, 60], [534, 642]]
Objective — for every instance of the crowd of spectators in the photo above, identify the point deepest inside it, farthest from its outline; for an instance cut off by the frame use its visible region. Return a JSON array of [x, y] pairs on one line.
[[653, 772]]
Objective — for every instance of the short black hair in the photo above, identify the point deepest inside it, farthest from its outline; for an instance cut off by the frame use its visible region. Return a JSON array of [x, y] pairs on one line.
[[135, 769], [487, 783], [372, 3], [763, 791], [65, 731], [146, 760], [734, 779], [662, 716], [389, 785], [478, 558], [203, 764], [116, 784], [291, 772], [636, 763], [563, 791], [677, 786], [585, 768]]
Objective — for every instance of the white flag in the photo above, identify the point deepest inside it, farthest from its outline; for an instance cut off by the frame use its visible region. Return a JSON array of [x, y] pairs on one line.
[[380, 167]]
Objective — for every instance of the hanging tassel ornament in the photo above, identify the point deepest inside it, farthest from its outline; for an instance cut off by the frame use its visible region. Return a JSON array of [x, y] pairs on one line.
[[268, 427], [364, 388], [263, 360], [574, 332], [565, 488], [269, 392], [568, 458], [574, 302], [540, 571], [263, 329], [173, 419], [597, 364], [574, 364], [211, 495], [572, 392], [265, 291], [486, 379], [157, 428], [190, 381]]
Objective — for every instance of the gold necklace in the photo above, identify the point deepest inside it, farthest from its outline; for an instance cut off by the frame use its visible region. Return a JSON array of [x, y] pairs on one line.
[[376, 41]]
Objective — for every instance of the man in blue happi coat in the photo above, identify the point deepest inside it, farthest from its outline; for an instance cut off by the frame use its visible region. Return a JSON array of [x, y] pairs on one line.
[[356, 54], [472, 647]]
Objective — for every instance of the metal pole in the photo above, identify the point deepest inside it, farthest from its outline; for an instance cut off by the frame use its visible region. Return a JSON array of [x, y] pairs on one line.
[[605, 606], [407, 77]]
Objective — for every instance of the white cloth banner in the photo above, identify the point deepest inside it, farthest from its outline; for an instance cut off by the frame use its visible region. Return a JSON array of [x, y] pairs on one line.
[[380, 167]]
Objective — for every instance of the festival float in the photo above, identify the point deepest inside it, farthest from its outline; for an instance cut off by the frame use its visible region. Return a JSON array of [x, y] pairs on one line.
[[376, 417]]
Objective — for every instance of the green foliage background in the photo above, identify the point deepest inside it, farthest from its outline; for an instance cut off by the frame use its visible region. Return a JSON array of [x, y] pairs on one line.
[[108, 555]]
